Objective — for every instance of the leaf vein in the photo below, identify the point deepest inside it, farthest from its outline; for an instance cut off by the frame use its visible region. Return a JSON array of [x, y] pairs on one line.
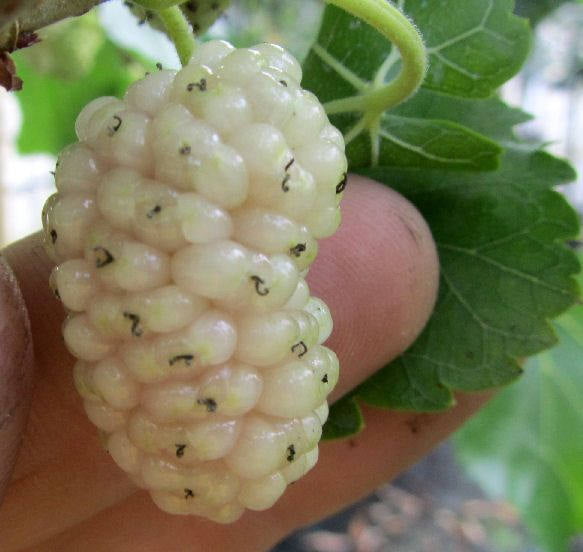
[[375, 144], [352, 78], [457, 67], [413, 384], [505, 268], [419, 150], [467, 34], [484, 325]]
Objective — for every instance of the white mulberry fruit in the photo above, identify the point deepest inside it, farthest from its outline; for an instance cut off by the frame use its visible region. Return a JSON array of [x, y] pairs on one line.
[[183, 227]]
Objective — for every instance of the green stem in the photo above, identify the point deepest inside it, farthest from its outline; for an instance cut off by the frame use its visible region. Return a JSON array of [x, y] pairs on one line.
[[179, 31], [394, 25]]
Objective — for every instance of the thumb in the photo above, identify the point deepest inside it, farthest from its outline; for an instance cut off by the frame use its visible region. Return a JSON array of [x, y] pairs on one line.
[[16, 367]]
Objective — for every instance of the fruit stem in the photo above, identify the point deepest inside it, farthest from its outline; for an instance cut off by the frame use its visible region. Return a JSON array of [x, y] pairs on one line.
[[179, 32], [394, 25]]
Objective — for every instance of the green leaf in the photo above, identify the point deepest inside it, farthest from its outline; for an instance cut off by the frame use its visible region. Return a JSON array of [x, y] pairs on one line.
[[499, 226], [470, 55], [474, 46], [345, 419], [526, 445], [490, 117], [521, 166], [429, 131], [346, 55], [416, 142], [536, 11], [50, 105], [504, 273]]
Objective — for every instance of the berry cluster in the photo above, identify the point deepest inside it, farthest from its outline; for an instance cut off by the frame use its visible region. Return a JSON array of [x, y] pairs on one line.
[[201, 14], [185, 222]]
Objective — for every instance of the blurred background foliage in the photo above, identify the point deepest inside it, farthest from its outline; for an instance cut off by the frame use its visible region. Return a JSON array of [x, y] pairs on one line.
[[526, 447], [100, 53], [535, 10]]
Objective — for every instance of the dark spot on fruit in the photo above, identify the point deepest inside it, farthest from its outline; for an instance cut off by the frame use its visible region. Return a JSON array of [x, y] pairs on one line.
[[53, 235], [284, 83], [342, 185], [153, 212], [102, 257], [188, 493], [178, 358], [180, 450], [159, 66], [284, 183], [201, 85], [53, 173], [185, 150], [57, 294], [291, 453], [211, 404], [135, 320], [325, 378], [115, 127], [301, 346], [260, 286], [297, 250]]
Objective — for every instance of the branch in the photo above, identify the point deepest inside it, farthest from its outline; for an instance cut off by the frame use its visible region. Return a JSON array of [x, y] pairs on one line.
[[32, 15]]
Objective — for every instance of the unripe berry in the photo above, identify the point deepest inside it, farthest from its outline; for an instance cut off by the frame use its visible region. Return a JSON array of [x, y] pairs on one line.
[[201, 14]]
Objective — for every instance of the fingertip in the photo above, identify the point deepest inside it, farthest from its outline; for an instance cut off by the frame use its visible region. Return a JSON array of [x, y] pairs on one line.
[[379, 275]]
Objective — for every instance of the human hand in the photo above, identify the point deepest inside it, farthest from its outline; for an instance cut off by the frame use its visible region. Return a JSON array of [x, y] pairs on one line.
[[378, 275]]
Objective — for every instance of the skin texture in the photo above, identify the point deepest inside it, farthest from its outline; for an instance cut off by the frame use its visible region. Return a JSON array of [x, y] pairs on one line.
[[378, 274], [16, 362]]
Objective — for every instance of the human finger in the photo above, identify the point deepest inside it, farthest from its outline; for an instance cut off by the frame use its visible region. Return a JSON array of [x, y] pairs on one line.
[[379, 277], [16, 367]]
